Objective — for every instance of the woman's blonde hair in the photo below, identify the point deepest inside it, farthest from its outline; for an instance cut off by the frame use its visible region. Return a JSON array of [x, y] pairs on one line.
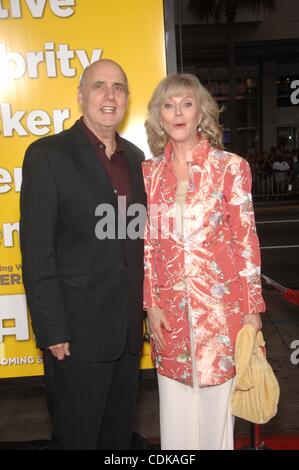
[[178, 85]]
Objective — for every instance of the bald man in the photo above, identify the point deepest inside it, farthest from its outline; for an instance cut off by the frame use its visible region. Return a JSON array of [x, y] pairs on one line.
[[84, 291]]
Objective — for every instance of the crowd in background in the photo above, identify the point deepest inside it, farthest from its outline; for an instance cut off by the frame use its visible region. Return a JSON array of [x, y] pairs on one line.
[[275, 172]]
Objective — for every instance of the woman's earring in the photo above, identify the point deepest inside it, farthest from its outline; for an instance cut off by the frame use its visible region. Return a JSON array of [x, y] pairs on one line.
[[199, 128], [162, 132]]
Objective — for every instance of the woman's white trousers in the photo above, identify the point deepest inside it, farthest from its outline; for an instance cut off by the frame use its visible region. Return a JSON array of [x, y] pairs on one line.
[[195, 418]]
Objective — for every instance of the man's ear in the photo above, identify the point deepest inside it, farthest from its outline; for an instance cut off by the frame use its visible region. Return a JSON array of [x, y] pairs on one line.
[[79, 96]]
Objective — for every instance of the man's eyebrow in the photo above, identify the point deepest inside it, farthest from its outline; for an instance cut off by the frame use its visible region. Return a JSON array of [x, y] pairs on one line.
[[98, 82], [119, 84], [102, 82]]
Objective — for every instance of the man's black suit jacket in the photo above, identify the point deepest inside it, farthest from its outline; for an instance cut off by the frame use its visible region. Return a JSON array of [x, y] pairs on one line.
[[79, 288]]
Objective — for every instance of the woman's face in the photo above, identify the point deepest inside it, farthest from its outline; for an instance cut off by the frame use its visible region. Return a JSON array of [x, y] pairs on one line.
[[180, 117]]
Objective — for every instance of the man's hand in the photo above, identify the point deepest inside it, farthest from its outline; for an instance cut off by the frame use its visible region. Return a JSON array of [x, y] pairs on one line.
[[60, 350], [157, 321], [254, 319]]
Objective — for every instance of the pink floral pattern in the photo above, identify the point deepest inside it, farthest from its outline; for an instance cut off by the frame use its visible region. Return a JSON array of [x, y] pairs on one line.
[[208, 278]]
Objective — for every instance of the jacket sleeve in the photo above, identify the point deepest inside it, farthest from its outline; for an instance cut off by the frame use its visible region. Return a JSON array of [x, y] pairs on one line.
[[244, 239], [38, 224], [149, 287]]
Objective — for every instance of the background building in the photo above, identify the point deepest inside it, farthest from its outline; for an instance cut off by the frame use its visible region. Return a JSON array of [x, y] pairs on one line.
[[267, 70]]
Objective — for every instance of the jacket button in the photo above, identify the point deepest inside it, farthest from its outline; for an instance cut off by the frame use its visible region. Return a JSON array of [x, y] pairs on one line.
[[126, 262]]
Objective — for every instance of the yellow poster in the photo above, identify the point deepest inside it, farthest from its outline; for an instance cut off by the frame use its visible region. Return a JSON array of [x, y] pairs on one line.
[[44, 47]]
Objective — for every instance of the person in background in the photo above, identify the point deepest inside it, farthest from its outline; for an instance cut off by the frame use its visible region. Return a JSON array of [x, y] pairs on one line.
[[202, 263], [281, 170], [85, 292]]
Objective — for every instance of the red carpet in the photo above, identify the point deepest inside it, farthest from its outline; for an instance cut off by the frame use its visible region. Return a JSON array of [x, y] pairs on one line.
[[271, 441]]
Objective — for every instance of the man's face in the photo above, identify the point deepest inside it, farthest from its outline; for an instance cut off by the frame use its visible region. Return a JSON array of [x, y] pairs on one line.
[[103, 97]]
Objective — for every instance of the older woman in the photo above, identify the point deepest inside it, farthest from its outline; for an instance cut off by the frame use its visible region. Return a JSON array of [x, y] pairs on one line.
[[202, 263]]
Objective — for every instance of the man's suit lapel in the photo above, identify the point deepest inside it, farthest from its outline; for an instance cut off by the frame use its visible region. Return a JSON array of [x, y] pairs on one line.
[[95, 169], [133, 169], [90, 161]]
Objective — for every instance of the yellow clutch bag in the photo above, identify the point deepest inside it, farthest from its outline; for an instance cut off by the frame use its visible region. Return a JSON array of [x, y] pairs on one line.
[[255, 392]]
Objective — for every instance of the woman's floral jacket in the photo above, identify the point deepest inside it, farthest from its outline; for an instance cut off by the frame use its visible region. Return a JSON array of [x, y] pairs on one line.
[[207, 275]]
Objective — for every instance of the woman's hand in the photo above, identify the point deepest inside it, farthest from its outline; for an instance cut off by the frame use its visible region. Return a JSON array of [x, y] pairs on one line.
[[157, 322], [254, 319]]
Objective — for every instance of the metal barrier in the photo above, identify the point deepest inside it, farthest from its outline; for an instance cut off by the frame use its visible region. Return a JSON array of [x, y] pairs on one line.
[[278, 185]]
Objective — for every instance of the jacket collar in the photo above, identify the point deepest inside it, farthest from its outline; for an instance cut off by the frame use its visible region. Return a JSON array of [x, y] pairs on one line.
[[95, 141], [93, 165], [199, 152]]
